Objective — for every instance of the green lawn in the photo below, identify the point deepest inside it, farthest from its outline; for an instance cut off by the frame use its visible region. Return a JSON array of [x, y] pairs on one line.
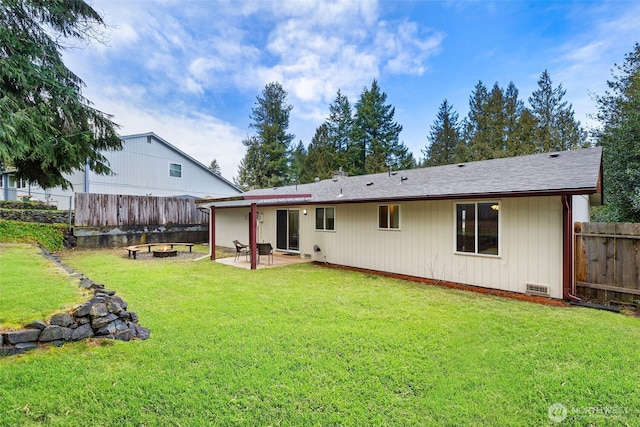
[[31, 287], [305, 346]]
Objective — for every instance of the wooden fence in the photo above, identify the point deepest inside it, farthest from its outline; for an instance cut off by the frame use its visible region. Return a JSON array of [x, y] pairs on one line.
[[607, 261], [113, 210]]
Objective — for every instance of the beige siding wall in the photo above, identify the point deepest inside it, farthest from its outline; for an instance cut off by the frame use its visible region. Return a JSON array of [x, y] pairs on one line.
[[530, 241]]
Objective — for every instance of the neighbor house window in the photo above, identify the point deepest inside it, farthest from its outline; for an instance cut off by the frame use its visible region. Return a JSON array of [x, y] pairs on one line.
[[477, 228], [175, 169], [389, 216], [326, 219]]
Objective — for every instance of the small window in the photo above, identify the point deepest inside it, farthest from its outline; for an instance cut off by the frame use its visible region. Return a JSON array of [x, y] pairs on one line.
[[389, 216], [326, 219], [175, 170], [477, 228]]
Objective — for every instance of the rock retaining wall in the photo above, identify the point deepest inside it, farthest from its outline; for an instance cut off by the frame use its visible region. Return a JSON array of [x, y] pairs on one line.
[[105, 315], [36, 215]]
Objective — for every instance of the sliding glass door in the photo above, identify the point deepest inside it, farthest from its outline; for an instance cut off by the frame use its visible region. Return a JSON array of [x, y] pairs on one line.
[[288, 229]]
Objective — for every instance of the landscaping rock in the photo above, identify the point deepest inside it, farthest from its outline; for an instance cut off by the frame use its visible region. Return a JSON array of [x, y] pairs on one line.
[[36, 324], [123, 335], [109, 329], [120, 301], [82, 332], [25, 335], [82, 310], [52, 333], [98, 310], [113, 306], [142, 333], [23, 347], [83, 320], [61, 319], [100, 322]]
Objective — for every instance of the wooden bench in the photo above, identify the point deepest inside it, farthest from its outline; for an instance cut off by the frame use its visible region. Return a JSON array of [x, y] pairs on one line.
[[133, 250]]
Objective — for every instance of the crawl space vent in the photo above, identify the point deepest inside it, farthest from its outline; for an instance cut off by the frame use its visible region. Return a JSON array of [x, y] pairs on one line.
[[535, 289]]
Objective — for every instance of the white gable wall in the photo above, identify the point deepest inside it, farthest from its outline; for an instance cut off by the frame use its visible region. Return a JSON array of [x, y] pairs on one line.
[[142, 168]]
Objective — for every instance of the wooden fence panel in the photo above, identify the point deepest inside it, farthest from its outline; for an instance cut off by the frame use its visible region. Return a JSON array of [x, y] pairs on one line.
[[607, 261], [110, 210]]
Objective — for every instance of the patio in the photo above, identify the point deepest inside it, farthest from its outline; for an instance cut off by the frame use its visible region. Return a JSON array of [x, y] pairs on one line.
[[280, 259]]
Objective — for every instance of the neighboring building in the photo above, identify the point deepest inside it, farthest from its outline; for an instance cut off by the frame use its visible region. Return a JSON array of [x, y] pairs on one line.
[[504, 224], [146, 165]]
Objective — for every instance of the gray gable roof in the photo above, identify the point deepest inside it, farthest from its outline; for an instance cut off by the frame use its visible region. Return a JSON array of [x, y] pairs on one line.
[[567, 172]]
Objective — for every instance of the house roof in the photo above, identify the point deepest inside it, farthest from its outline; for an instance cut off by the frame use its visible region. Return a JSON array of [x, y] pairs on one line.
[[181, 153], [561, 173]]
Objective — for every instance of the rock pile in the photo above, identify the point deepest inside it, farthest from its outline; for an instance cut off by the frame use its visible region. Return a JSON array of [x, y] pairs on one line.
[[104, 316]]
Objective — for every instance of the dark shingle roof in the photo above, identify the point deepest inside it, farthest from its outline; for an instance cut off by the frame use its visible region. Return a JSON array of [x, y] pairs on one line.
[[567, 172]]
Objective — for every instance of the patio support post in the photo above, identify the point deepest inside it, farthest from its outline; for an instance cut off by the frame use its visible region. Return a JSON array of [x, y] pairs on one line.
[[212, 233], [253, 247]]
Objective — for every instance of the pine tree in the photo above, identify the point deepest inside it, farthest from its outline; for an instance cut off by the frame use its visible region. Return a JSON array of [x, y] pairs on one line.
[[47, 128], [267, 161], [375, 145], [214, 167], [557, 129], [619, 113], [297, 165], [477, 124], [444, 138], [321, 159]]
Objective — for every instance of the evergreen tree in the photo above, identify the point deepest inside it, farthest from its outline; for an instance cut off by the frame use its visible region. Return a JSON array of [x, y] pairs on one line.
[[321, 159], [557, 130], [619, 113], [340, 123], [476, 126], [214, 167], [47, 128], [297, 165], [444, 138], [375, 145], [267, 161]]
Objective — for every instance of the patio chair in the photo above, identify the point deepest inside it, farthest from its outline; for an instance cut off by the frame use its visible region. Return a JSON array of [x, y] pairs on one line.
[[241, 249], [265, 249]]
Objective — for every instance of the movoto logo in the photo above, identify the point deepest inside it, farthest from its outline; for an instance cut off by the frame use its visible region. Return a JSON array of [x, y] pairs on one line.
[[557, 412]]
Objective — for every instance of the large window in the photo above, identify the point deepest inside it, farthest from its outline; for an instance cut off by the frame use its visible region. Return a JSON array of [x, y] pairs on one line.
[[326, 219], [175, 170], [477, 228], [389, 216]]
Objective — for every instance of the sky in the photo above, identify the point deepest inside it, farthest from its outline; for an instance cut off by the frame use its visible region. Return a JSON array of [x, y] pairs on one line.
[[191, 70]]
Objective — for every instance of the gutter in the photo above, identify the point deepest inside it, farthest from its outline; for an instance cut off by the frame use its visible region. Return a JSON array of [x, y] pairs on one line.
[[567, 250]]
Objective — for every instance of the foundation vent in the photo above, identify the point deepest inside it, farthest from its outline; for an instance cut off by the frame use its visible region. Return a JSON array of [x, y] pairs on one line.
[[535, 289]]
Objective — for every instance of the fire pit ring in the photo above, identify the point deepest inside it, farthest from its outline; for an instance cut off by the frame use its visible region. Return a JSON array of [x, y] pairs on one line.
[[164, 253]]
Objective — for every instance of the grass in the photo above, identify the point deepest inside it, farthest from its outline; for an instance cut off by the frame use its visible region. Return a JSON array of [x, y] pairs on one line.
[[304, 345], [32, 287], [50, 236]]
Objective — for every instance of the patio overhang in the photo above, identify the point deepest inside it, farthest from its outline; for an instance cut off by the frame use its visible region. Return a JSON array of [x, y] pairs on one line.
[[243, 201]]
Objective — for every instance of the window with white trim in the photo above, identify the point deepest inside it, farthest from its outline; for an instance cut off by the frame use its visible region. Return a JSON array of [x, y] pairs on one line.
[[175, 170], [477, 228], [389, 217], [326, 218]]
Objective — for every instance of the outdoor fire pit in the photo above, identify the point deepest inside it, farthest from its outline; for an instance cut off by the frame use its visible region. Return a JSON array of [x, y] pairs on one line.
[[165, 252]]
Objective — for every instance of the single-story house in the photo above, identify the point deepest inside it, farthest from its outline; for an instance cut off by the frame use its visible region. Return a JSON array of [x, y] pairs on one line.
[[146, 165], [504, 224]]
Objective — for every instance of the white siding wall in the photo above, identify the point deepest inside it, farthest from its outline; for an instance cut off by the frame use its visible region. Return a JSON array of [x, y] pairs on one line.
[[142, 168], [530, 242]]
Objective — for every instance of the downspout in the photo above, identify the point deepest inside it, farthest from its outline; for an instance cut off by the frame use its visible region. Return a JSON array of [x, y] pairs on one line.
[[567, 249], [212, 233], [86, 176]]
